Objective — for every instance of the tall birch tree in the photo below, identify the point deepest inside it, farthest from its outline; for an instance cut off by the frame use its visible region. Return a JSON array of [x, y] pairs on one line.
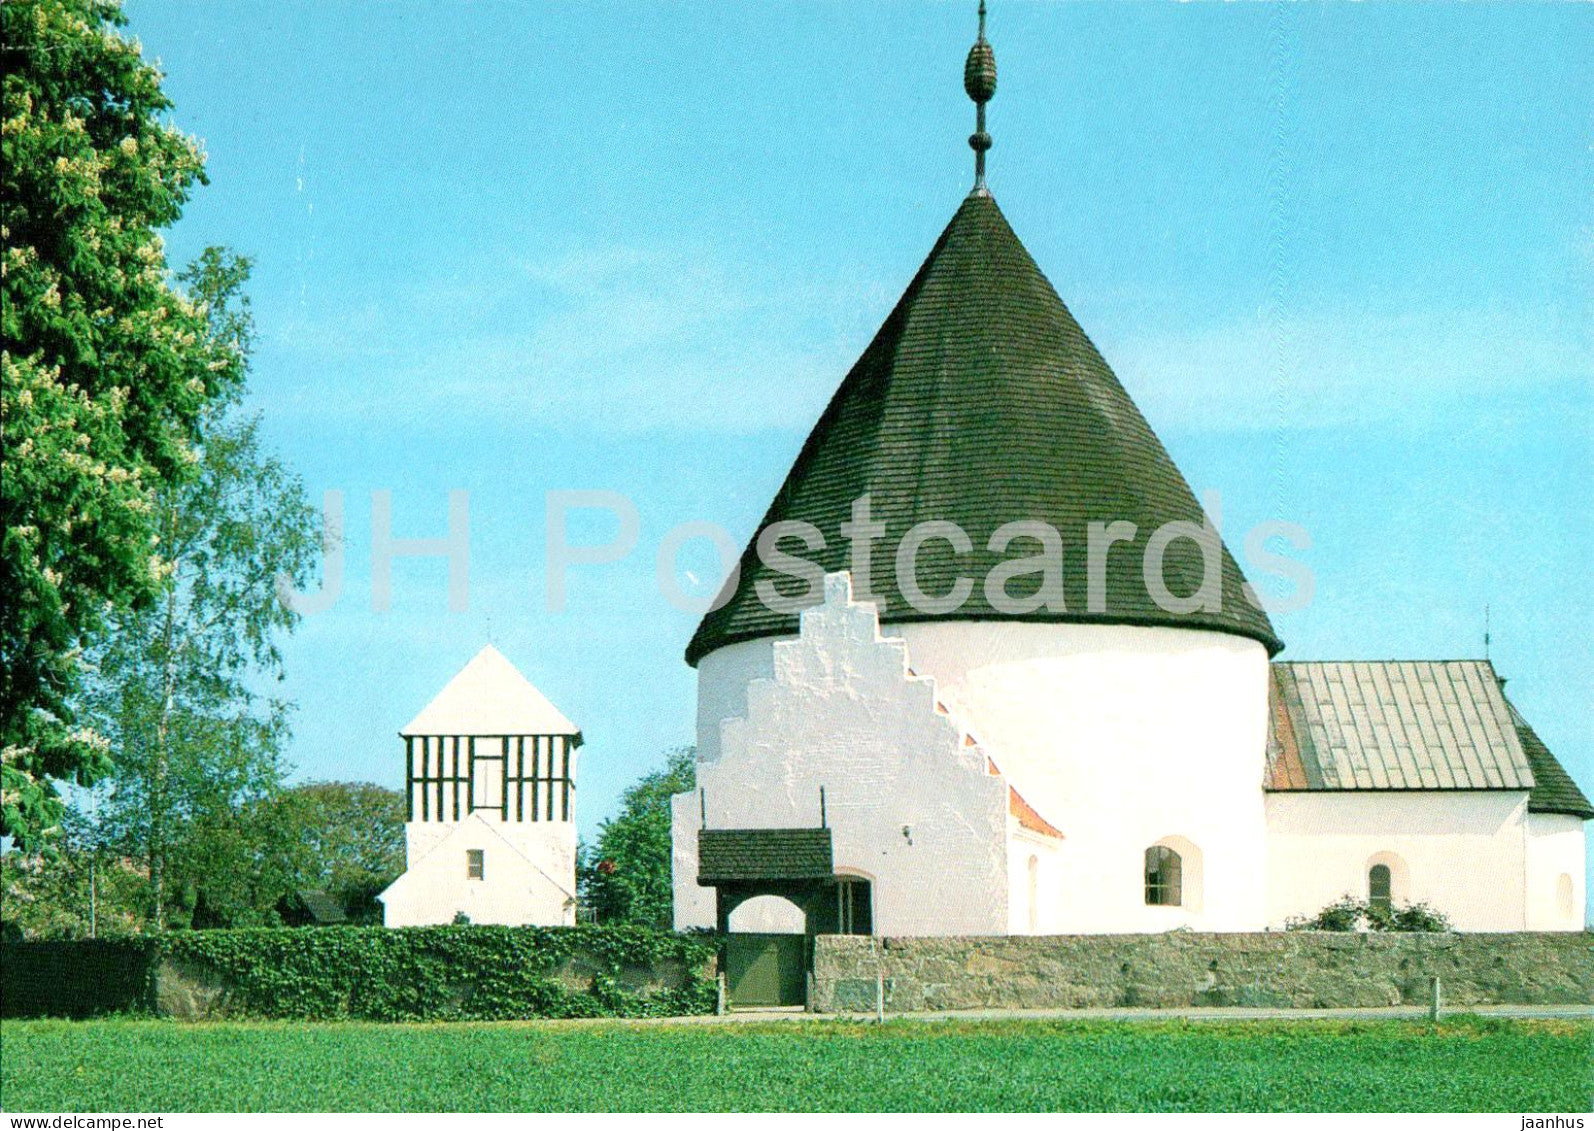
[[183, 688]]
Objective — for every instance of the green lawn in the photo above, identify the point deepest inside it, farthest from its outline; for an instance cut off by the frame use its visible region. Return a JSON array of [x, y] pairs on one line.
[[1466, 1064]]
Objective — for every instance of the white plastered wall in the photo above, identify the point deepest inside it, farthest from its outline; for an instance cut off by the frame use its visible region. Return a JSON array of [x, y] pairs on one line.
[[1462, 852], [1123, 737], [1555, 877], [420, 837], [529, 874], [911, 806], [1034, 871]]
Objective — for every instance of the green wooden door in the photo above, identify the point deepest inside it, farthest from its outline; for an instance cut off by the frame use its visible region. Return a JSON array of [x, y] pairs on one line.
[[765, 970]]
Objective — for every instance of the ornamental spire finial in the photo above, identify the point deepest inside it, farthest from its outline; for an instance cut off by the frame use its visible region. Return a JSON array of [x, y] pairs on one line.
[[979, 79]]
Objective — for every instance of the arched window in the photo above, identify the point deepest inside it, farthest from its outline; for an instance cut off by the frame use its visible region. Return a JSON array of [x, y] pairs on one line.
[[1164, 877], [1380, 885]]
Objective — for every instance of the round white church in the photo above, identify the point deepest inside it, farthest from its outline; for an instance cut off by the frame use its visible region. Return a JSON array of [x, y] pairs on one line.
[[985, 743]]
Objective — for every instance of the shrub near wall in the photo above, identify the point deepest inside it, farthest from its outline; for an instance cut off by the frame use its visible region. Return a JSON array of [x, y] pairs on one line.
[[376, 974]]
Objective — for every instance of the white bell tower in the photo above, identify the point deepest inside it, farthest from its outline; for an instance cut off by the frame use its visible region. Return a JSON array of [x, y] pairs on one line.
[[490, 782]]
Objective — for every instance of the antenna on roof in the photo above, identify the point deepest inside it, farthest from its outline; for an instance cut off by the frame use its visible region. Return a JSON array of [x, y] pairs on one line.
[[979, 80], [1486, 630]]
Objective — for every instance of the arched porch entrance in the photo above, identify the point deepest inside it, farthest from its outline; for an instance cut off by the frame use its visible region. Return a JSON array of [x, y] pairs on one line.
[[769, 956], [770, 967]]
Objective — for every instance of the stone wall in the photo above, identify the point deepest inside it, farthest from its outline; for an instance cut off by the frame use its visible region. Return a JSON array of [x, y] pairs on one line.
[[1291, 969]]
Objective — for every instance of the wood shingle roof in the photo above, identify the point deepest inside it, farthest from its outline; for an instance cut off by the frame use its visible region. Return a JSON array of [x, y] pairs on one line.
[[981, 402], [734, 855]]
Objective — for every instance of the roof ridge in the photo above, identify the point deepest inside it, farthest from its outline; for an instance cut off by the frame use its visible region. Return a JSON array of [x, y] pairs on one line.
[[1391, 660]]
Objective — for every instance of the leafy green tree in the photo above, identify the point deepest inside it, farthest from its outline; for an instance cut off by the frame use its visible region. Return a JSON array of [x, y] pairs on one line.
[[344, 838], [625, 876], [178, 682], [108, 367], [82, 888], [229, 864]]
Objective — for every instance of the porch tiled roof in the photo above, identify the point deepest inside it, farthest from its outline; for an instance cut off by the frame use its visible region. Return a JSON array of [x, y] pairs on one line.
[[729, 855]]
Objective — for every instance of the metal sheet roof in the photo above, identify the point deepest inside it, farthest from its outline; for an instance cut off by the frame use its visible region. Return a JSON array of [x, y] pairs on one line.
[[1392, 725]]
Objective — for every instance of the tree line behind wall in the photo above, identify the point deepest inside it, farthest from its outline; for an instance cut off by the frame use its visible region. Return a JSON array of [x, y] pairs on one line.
[[232, 867], [233, 864], [625, 877]]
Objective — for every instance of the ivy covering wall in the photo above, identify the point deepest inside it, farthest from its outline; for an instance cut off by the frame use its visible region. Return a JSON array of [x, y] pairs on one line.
[[464, 973]]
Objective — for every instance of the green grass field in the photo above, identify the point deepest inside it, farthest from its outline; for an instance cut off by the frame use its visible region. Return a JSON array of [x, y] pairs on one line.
[[1465, 1064]]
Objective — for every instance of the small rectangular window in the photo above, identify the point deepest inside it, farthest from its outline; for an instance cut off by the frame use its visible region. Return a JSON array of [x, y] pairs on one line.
[[475, 864]]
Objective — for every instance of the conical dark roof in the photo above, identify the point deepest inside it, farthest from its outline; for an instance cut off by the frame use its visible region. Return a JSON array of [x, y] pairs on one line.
[[981, 402]]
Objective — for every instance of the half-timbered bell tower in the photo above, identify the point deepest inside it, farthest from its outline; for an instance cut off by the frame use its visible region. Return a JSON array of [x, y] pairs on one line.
[[490, 773]]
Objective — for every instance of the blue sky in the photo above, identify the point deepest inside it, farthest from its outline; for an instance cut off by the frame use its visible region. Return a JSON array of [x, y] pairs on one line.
[[1340, 255]]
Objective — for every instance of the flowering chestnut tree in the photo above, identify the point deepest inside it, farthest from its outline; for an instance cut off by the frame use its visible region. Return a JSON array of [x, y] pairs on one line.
[[109, 363]]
